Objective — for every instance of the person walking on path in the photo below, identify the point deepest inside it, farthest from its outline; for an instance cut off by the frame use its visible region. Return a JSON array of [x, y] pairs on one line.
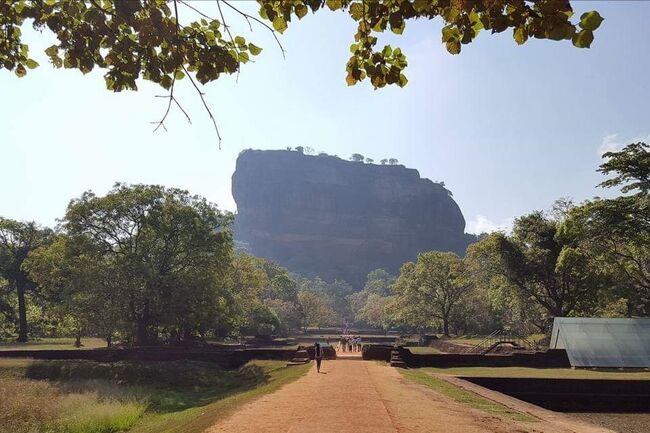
[[318, 356]]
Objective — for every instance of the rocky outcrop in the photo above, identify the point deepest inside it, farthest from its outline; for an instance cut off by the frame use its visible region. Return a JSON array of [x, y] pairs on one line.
[[324, 216]]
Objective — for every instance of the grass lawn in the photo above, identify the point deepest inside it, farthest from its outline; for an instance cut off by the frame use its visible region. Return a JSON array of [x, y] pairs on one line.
[[473, 340], [54, 343], [545, 373], [423, 350], [84, 396], [463, 396]]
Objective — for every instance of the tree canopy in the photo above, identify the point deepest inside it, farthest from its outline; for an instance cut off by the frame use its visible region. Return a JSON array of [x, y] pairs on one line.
[[160, 253], [165, 41], [17, 241], [429, 291], [617, 230]]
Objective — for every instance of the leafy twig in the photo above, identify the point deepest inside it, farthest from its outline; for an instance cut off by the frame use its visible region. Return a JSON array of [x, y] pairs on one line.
[[249, 17]]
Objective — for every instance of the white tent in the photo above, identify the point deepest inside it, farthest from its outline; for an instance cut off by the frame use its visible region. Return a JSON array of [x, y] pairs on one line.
[[598, 342]]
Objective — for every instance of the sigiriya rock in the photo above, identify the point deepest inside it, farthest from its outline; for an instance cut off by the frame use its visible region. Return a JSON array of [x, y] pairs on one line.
[[324, 216]]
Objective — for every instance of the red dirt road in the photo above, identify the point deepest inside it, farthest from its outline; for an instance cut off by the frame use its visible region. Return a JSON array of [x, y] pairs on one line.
[[351, 396]]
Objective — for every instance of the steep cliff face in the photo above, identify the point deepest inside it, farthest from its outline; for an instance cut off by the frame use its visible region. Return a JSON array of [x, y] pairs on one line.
[[323, 216]]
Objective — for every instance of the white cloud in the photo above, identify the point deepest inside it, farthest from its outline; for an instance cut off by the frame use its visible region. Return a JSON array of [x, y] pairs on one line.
[[613, 143], [482, 224]]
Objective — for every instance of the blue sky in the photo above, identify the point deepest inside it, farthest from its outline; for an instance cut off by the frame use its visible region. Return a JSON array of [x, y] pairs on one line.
[[509, 129]]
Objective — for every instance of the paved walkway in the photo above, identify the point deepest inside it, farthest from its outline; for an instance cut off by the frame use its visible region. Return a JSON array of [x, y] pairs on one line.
[[352, 396]]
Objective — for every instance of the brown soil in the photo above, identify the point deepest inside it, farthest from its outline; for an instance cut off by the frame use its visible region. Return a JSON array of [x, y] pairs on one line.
[[620, 422], [353, 396]]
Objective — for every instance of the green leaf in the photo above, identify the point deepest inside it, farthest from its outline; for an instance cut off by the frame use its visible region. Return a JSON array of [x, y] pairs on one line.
[[279, 24], [179, 75], [301, 10], [387, 51], [521, 35], [453, 47], [356, 11], [560, 32], [350, 80], [422, 5], [243, 57], [396, 23], [20, 70], [591, 20], [403, 81], [334, 4], [583, 39], [449, 33], [166, 82], [254, 49], [52, 51], [240, 40], [31, 63]]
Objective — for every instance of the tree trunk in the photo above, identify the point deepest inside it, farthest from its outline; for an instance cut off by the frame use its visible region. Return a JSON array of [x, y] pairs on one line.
[[630, 308], [22, 311], [141, 334], [109, 339], [445, 327], [77, 341], [142, 327]]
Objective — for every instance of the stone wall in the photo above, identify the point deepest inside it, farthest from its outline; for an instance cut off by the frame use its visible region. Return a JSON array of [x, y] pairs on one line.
[[223, 358], [553, 358]]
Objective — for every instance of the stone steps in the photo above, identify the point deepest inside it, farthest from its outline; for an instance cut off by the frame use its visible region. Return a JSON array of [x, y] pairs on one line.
[[349, 357], [301, 357], [396, 360]]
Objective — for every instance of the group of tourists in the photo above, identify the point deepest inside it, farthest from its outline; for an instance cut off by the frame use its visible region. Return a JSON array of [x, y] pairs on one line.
[[349, 343]]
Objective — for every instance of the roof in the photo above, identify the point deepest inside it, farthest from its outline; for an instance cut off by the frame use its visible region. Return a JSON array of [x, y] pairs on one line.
[[601, 342]]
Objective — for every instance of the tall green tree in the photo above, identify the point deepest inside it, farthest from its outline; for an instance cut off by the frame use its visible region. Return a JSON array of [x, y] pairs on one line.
[[506, 304], [336, 293], [17, 240], [82, 285], [171, 250], [314, 309], [265, 297], [374, 312], [560, 277], [617, 231], [378, 286], [429, 292]]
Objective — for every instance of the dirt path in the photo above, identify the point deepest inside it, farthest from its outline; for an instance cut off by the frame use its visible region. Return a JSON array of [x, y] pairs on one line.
[[351, 396]]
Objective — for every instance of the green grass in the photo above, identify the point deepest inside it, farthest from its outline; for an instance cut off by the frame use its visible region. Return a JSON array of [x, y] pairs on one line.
[[423, 350], [94, 415], [91, 397], [197, 419], [463, 396], [545, 373], [473, 340], [54, 344], [468, 341]]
